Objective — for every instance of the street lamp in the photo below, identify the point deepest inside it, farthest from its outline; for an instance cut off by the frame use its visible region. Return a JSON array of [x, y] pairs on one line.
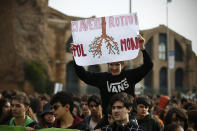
[[130, 11], [169, 53]]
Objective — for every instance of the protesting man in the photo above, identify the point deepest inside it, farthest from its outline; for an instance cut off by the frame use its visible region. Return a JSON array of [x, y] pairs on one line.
[[94, 104], [62, 106], [120, 104], [84, 107], [144, 118], [116, 80]]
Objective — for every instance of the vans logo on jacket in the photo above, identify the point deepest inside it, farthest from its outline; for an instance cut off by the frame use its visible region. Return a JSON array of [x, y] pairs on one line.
[[117, 86]]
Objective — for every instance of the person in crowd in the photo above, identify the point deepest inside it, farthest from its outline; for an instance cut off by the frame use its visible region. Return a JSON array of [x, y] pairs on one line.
[[5, 111], [192, 120], [1, 96], [21, 112], [44, 99], [156, 114], [117, 79], [163, 106], [94, 104], [62, 107], [173, 127], [36, 107], [174, 102], [120, 105], [183, 102], [76, 110], [84, 107], [47, 117], [177, 116], [190, 106], [110, 120], [109, 115], [144, 118]]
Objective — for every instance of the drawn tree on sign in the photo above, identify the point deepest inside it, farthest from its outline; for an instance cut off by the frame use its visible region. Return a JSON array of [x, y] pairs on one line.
[[96, 44]]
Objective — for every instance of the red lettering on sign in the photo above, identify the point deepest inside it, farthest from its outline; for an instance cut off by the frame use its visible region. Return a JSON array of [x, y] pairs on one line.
[[136, 20], [74, 26], [79, 51], [83, 25], [111, 22], [117, 21], [129, 44], [90, 24]]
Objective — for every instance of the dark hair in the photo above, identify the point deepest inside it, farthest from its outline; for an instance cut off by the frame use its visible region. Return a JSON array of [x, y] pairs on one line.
[[187, 105], [3, 101], [179, 113], [78, 109], [174, 101], [143, 101], [171, 127], [44, 97], [192, 107], [85, 98], [4, 118], [123, 97], [64, 98], [77, 99], [183, 100], [95, 99], [22, 98], [8, 93], [109, 110], [35, 104]]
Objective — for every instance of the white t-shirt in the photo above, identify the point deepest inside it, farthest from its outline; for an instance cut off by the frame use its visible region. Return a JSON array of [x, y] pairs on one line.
[[92, 124]]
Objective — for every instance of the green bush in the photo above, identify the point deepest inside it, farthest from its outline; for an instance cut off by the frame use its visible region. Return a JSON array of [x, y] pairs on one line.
[[36, 73]]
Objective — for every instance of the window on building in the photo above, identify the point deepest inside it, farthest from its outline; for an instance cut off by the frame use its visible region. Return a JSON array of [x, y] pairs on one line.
[[148, 82], [162, 47], [178, 51], [163, 80], [72, 81], [149, 46], [179, 79], [91, 89]]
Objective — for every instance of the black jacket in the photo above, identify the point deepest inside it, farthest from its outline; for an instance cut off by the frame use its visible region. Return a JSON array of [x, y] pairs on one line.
[[110, 85], [149, 123], [129, 127]]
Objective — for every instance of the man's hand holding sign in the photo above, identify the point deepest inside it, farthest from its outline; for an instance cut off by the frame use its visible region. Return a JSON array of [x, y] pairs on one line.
[[106, 39], [109, 40]]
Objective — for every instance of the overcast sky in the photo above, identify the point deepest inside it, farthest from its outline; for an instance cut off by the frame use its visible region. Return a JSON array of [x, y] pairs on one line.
[[182, 14]]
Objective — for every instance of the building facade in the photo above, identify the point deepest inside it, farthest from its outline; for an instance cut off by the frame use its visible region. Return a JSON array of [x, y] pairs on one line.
[[184, 74]]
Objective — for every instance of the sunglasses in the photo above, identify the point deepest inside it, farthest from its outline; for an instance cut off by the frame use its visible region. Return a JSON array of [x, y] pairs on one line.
[[55, 107]]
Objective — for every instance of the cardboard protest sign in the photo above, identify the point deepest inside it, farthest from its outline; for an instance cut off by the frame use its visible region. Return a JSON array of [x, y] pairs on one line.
[[105, 39]]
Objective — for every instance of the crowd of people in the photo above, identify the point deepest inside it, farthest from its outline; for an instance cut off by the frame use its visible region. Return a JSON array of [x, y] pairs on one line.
[[63, 110], [117, 108]]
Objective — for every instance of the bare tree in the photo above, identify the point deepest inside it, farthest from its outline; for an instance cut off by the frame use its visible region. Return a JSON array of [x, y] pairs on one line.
[[111, 45]]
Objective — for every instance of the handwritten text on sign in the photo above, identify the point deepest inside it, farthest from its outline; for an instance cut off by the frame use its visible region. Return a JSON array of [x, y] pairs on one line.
[[105, 39]]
